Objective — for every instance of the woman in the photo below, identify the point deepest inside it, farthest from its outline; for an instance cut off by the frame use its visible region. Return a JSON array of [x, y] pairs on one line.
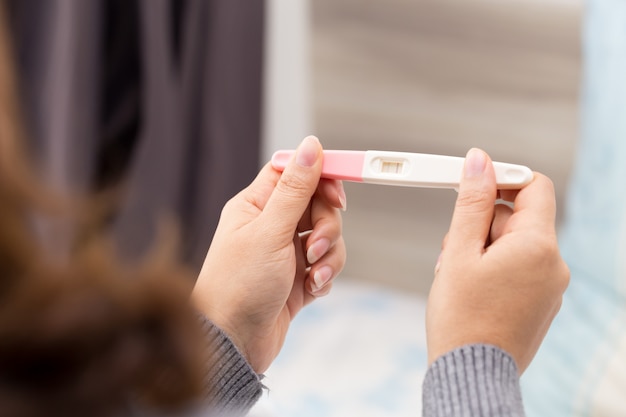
[[84, 334]]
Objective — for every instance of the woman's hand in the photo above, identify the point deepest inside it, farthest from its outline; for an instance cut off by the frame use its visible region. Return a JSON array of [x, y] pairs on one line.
[[500, 277], [278, 245]]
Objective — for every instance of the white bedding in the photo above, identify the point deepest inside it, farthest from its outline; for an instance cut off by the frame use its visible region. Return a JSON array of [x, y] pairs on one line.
[[360, 351]]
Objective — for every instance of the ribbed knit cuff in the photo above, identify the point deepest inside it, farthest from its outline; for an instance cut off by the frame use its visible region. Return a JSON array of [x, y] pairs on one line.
[[473, 381], [232, 385]]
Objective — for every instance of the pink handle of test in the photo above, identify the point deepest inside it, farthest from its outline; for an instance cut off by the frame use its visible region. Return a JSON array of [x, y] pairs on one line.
[[339, 165]]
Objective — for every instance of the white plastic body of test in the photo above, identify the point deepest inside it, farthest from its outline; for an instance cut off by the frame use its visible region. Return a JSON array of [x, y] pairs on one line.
[[433, 171]]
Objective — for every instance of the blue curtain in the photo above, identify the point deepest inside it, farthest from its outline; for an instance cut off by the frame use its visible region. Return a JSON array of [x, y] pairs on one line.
[[582, 362]]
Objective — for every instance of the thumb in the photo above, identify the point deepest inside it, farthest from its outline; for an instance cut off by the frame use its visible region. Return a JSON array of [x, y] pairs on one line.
[[296, 186], [474, 209]]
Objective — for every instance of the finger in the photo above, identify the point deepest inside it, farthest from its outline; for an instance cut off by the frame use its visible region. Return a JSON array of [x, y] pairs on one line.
[[474, 207], [297, 184], [500, 222], [332, 191], [298, 295], [537, 200], [438, 263], [445, 240], [261, 188], [443, 246], [327, 269], [508, 195], [305, 224], [327, 228], [303, 237], [327, 253], [323, 291]]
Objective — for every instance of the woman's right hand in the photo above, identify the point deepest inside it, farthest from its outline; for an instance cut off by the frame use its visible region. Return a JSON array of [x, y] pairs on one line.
[[500, 277]]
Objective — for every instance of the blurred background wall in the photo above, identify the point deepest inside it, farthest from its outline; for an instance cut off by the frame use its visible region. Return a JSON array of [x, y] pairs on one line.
[[436, 76], [439, 76], [287, 103]]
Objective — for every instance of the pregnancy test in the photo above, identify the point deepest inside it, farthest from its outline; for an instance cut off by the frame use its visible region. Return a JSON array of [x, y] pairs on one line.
[[405, 169]]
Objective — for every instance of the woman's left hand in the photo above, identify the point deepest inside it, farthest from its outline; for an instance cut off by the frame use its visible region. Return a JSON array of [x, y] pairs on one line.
[[277, 247]]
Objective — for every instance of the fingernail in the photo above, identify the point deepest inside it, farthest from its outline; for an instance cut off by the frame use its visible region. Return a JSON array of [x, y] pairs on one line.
[[438, 265], [317, 250], [475, 162], [321, 277], [342, 195], [307, 152]]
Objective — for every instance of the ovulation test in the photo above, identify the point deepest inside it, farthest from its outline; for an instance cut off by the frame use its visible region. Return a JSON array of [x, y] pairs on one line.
[[405, 169]]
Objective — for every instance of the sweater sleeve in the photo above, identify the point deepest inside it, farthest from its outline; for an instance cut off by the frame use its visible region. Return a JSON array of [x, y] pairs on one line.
[[232, 385], [473, 381]]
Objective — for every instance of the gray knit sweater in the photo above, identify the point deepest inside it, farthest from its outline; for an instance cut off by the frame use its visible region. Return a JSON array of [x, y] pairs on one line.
[[470, 381], [473, 381], [232, 385]]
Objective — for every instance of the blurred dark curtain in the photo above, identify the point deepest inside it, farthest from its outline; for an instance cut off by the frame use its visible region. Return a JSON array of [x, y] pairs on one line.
[[163, 95]]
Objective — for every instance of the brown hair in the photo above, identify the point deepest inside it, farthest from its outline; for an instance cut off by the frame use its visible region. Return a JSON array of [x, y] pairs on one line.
[[85, 334]]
